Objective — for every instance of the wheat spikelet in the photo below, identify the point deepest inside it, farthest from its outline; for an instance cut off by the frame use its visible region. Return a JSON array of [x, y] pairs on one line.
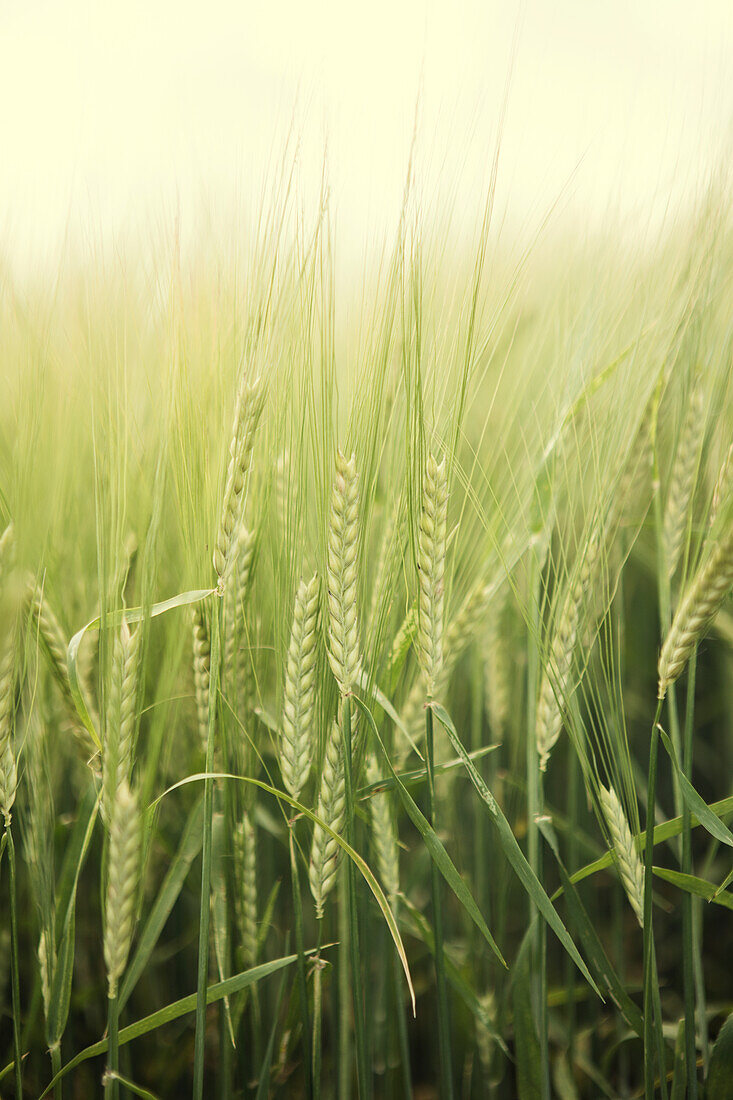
[[635, 475], [463, 626], [45, 966], [201, 670], [431, 569], [331, 809], [124, 871], [249, 406], [458, 636], [682, 482], [296, 736], [706, 593], [245, 857], [485, 1029], [496, 671], [118, 741], [343, 635], [53, 643], [7, 547], [381, 571], [555, 686], [723, 485], [237, 587], [384, 834], [630, 866], [403, 639]]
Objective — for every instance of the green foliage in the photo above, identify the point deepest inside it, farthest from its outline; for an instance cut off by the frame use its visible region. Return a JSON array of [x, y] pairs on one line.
[[579, 408]]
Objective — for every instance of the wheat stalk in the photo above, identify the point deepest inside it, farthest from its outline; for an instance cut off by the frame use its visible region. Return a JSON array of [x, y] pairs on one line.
[[296, 734], [630, 866], [708, 589], [331, 809], [249, 406], [431, 541], [682, 482], [118, 742], [124, 871], [343, 530]]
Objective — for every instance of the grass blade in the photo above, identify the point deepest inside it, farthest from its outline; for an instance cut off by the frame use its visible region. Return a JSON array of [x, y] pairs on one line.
[[188, 849], [513, 852], [175, 1010], [437, 851], [114, 618], [696, 804]]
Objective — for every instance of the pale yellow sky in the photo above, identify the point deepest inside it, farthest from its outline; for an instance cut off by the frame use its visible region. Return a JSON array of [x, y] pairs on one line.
[[115, 116]]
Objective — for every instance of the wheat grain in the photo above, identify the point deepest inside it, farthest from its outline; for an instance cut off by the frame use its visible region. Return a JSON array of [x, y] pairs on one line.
[[118, 741], [249, 406], [331, 809], [708, 589], [245, 857], [496, 669], [296, 736], [682, 482], [53, 644], [555, 686], [630, 866], [403, 639], [723, 485], [384, 834], [343, 636], [124, 871], [431, 571], [236, 591], [201, 673]]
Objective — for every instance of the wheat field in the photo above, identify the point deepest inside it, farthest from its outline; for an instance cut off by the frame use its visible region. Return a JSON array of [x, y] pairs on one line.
[[351, 646]]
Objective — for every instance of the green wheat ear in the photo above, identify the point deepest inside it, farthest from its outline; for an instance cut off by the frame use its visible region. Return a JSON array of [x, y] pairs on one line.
[[124, 874], [431, 543], [118, 742], [331, 809], [343, 532], [630, 866], [709, 587], [682, 482], [296, 736], [248, 410], [201, 667]]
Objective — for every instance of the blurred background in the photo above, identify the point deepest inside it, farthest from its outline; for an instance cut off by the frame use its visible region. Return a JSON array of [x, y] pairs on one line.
[[120, 120]]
